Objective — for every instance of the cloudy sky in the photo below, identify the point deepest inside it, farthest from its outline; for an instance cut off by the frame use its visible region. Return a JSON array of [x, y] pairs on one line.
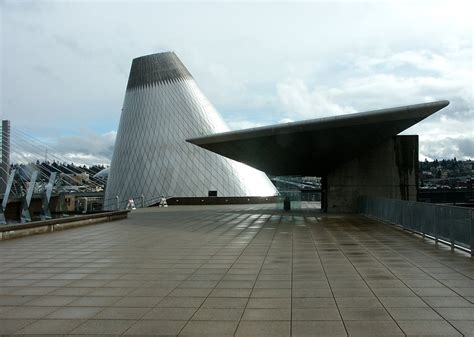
[[65, 64]]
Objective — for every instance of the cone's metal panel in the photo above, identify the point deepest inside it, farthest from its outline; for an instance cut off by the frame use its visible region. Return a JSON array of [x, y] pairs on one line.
[[163, 106], [156, 68]]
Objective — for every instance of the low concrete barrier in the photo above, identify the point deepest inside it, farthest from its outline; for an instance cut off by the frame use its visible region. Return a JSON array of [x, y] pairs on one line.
[[219, 200], [53, 225]]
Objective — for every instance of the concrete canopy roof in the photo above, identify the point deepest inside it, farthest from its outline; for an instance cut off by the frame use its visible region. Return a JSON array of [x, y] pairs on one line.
[[317, 146]]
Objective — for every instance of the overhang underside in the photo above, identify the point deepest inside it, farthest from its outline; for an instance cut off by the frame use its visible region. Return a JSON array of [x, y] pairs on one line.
[[315, 147]]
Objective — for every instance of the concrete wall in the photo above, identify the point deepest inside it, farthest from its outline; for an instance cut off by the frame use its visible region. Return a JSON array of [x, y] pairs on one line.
[[390, 170]]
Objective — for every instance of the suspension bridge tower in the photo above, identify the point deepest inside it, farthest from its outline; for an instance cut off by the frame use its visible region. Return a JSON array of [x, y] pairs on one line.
[[5, 155]]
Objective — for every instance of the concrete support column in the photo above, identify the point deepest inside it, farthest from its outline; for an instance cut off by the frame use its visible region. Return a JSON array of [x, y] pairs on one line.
[[390, 170]]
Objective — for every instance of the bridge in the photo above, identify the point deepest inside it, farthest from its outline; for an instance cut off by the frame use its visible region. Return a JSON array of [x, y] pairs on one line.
[[38, 183]]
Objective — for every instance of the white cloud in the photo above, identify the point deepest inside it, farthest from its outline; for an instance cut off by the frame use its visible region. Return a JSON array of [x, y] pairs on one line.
[[243, 124], [64, 65], [459, 147], [302, 102], [85, 148], [394, 79]]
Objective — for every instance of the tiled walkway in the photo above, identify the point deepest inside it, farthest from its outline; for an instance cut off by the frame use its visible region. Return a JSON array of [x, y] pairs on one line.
[[234, 271]]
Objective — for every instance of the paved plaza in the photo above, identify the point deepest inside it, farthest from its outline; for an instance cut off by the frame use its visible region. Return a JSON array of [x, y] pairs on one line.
[[244, 270]]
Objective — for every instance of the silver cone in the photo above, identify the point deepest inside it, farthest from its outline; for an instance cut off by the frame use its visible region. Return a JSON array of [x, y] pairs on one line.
[[163, 107]]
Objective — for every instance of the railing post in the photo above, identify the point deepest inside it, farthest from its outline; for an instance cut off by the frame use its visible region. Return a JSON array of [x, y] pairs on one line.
[[451, 230], [472, 232], [118, 202], [46, 197], [85, 206], [435, 229], [26, 202], [6, 195]]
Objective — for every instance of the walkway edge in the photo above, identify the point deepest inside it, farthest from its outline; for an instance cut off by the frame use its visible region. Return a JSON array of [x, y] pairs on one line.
[[47, 226]]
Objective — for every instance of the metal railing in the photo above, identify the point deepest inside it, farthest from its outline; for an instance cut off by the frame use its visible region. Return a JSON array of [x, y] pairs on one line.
[[448, 224]]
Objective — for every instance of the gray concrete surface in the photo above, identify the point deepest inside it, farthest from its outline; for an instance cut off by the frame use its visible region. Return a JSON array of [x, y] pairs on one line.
[[390, 170], [234, 271]]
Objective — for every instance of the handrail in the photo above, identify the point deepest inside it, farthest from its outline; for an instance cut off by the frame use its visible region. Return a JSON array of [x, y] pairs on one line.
[[451, 225]]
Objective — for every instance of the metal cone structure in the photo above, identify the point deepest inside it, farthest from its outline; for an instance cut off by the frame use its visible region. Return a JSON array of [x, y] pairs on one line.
[[163, 107]]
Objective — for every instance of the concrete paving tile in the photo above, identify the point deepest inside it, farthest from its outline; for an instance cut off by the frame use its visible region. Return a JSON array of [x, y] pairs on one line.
[[466, 292], [310, 284], [365, 314], [181, 302], [75, 313], [236, 277], [138, 302], [205, 314], [373, 328], [235, 284], [424, 284], [386, 284], [465, 327], [231, 292], [318, 329], [402, 302], [224, 303], [27, 312], [451, 301], [34, 291], [110, 291], [52, 301], [71, 291], [352, 292], [7, 300], [172, 314], [88, 283], [457, 313], [94, 301], [311, 292], [103, 327], [442, 292], [208, 328], [52, 283], [314, 302], [8, 290], [315, 314], [431, 328], [393, 292], [121, 313], [50, 326], [199, 284], [274, 277], [271, 293], [262, 303], [151, 292], [190, 292], [358, 302], [155, 328], [414, 314], [263, 328], [10, 326], [273, 284], [279, 314]]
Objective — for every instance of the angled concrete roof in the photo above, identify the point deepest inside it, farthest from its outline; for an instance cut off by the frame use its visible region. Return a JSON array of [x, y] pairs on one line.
[[316, 146]]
